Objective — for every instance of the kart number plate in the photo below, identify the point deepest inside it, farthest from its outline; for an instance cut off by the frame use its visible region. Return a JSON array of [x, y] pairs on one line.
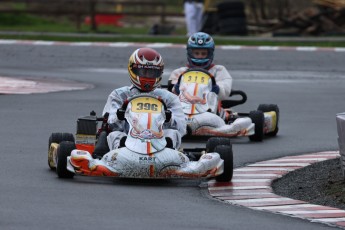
[[146, 105], [196, 77]]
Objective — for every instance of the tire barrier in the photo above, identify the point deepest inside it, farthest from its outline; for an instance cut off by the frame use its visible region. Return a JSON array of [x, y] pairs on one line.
[[229, 19]]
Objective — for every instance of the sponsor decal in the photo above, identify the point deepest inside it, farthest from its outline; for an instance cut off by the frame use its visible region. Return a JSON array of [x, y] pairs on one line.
[[182, 157], [114, 156], [147, 160], [206, 156], [80, 152]]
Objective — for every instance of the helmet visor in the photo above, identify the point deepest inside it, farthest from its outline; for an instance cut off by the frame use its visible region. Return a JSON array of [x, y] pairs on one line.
[[148, 71]]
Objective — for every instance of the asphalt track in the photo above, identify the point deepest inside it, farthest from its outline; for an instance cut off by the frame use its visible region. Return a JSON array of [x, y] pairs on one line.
[[307, 86]]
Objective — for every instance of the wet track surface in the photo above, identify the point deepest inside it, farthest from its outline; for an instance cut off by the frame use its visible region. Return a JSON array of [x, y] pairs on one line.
[[307, 86]]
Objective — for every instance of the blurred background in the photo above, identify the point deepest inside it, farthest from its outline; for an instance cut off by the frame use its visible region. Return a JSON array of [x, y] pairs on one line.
[[166, 17]]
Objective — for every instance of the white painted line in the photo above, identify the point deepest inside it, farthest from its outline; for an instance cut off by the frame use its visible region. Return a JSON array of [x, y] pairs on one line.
[[302, 48], [339, 49], [119, 44], [273, 48], [262, 200], [159, 45], [256, 175], [249, 169], [45, 43], [296, 206], [169, 45], [6, 42], [329, 220], [81, 44], [230, 47], [298, 159], [238, 188], [280, 164], [314, 212], [251, 180]]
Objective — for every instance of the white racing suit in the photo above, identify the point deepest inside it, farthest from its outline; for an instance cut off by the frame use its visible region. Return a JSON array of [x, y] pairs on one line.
[[220, 73], [214, 122], [174, 129]]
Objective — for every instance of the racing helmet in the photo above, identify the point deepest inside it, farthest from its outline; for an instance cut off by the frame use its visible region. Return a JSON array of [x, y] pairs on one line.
[[200, 40], [145, 68]]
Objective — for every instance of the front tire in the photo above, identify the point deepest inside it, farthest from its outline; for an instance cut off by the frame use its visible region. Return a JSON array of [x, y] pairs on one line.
[[269, 108], [213, 142], [225, 152], [258, 119], [64, 150], [57, 138]]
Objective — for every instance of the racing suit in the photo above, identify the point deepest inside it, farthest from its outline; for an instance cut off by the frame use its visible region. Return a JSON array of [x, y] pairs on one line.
[[223, 80], [174, 129], [220, 73]]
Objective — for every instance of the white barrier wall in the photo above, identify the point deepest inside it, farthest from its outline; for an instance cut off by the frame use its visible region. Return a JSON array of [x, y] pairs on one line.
[[341, 139]]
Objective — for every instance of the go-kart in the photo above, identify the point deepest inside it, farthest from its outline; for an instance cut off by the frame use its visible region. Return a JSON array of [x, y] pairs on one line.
[[202, 109], [145, 153]]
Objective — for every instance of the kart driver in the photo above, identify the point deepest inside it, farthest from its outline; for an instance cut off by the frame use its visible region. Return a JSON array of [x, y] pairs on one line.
[[200, 53], [145, 68]]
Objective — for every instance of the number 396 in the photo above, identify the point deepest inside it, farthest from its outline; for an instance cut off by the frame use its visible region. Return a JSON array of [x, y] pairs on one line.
[[147, 106]]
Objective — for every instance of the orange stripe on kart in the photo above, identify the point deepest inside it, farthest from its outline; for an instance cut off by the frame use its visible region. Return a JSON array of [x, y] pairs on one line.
[[152, 170], [196, 88], [149, 120]]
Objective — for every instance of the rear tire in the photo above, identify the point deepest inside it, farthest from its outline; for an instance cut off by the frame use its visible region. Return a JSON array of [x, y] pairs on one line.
[[268, 108], [213, 142], [225, 152], [258, 119], [57, 138], [64, 150]]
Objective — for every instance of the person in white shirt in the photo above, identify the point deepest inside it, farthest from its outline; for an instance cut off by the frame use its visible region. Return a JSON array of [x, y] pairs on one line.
[[193, 10]]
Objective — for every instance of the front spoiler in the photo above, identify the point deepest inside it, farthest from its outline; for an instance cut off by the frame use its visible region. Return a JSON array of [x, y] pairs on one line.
[[124, 163]]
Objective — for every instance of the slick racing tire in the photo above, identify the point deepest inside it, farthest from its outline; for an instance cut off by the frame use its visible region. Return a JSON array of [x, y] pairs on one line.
[[57, 138], [258, 119], [268, 108], [225, 152], [213, 142], [64, 150]]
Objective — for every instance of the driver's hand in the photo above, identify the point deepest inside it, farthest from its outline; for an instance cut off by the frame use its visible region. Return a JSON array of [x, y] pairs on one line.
[[215, 89], [177, 88]]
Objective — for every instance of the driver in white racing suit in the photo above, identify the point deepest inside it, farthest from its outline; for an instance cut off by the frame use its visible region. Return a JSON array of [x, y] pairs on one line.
[[145, 70], [200, 53]]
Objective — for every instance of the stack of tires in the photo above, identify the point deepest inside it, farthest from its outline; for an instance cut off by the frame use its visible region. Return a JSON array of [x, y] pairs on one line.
[[232, 18], [210, 23]]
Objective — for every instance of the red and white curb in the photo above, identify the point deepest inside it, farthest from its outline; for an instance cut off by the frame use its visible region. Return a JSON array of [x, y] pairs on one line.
[[28, 86], [251, 187], [167, 45]]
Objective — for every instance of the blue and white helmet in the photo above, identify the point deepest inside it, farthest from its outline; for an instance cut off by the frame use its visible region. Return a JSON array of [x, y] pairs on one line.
[[200, 40]]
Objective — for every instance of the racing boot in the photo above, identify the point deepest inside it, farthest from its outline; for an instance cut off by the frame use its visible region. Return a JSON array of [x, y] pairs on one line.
[[101, 147], [170, 143]]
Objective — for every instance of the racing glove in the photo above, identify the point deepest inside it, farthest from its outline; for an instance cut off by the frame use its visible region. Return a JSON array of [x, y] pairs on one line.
[[215, 89], [177, 88]]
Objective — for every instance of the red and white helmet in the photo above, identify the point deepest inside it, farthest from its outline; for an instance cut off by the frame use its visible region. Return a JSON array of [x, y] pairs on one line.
[[145, 68]]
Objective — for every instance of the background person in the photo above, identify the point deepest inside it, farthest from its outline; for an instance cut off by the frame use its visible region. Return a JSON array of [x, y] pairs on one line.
[[193, 10]]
